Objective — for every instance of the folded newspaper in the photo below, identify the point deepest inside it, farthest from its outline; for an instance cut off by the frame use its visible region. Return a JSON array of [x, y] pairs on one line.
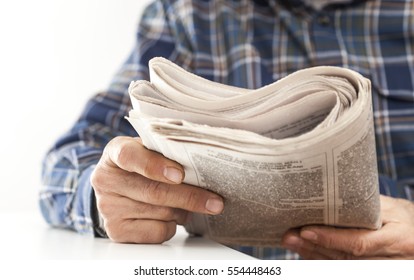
[[297, 152]]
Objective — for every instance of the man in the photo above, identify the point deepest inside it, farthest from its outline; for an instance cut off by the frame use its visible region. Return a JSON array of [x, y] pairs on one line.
[[99, 179]]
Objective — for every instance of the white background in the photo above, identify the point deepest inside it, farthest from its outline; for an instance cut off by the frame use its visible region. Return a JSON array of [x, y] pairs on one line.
[[54, 54]]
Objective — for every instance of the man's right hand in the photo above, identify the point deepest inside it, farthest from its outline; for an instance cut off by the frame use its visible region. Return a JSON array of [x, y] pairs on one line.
[[140, 195]]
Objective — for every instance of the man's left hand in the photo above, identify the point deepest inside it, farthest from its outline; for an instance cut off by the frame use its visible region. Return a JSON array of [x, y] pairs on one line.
[[394, 240]]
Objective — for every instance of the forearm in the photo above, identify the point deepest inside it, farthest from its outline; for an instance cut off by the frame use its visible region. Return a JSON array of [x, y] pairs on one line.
[[66, 197]]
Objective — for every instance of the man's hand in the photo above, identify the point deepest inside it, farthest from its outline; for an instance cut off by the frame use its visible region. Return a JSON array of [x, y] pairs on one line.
[[140, 196], [395, 240]]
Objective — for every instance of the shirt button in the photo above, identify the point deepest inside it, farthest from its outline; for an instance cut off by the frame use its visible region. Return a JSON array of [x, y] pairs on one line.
[[323, 20]]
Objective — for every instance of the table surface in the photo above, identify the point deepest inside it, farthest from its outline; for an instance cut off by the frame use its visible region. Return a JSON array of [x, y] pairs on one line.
[[26, 235]]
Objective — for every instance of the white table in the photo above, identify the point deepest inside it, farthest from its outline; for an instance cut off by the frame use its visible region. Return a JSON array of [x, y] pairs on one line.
[[27, 236]]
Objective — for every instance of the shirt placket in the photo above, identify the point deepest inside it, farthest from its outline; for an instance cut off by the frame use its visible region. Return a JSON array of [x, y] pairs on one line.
[[323, 43]]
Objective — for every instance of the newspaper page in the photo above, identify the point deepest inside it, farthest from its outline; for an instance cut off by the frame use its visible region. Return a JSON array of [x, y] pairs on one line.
[[300, 151]]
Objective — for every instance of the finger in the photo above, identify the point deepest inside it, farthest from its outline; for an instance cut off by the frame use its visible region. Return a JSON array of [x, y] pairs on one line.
[[353, 242], [123, 208], [129, 154], [180, 196], [140, 231], [310, 251], [293, 242]]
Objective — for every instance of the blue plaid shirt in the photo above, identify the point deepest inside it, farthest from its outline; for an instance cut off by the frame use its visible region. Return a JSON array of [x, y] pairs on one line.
[[248, 44]]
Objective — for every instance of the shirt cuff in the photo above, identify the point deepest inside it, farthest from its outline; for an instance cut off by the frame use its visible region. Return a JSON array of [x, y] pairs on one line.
[[94, 222], [97, 220]]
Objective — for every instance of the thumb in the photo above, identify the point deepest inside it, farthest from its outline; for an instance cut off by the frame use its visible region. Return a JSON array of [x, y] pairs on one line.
[[130, 154]]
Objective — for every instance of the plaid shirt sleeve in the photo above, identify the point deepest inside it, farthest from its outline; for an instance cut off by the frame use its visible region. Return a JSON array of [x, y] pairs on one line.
[[66, 197]]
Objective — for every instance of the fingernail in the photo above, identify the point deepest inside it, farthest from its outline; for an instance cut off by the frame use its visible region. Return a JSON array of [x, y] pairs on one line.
[[292, 242], [173, 174], [309, 235], [214, 205]]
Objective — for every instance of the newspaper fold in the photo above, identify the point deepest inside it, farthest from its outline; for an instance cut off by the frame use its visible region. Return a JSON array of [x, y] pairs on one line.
[[297, 152]]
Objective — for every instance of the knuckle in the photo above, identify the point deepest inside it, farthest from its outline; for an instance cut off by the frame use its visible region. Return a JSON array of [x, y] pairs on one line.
[[98, 179], [161, 234], [192, 200], [105, 181], [123, 154], [105, 206], [151, 235], [118, 152], [359, 247], [168, 213], [150, 165], [155, 192], [114, 231]]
